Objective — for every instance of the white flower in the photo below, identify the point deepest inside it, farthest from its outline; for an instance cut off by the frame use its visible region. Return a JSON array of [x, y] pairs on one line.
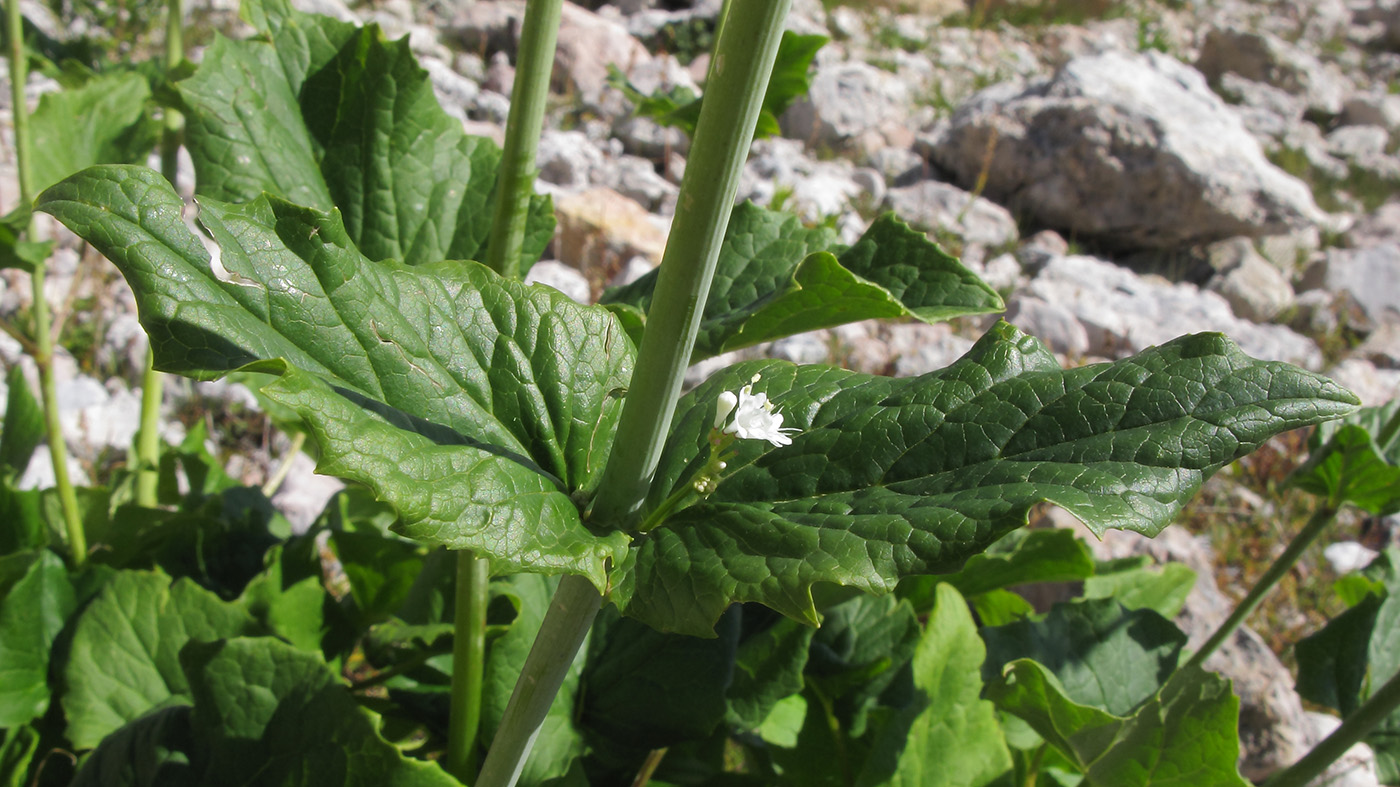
[[754, 417]]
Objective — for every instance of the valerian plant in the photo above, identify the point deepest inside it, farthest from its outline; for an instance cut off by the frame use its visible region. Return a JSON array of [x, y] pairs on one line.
[[706, 532]]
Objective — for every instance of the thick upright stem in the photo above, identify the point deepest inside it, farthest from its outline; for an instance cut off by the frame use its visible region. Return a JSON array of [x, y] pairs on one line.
[[571, 612], [468, 660], [1364, 719], [533, 63], [43, 332], [1314, 527], [738, 76]]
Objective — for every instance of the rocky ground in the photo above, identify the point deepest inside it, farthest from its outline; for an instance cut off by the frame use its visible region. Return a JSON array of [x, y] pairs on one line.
[[1123, 172]]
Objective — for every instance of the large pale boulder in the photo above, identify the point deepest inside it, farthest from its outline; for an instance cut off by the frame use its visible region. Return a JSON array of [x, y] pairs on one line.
[[1132, 151]]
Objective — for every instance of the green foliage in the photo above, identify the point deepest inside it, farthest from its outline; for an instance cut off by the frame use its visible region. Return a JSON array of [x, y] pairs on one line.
[[948, 463], [1354, 654], [1083, 643], [1356, 460], [946, 734], [472, 411], [32, 613], [776, 278], [125, 656], [679, 107], [116, 127], [328, 115], [1184, 735]]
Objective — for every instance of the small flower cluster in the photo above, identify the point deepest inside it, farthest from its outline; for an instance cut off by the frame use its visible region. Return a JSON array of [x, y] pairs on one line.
[[754, 416]]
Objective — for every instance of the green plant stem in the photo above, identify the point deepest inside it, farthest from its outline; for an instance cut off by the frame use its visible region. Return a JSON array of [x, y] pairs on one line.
[[152, 382], [649, 766], [1364, 719], [148, 435], [1317, 523], [43, 334], [571, 612], [19, 75], [738, 77], [468, 661], [274, 482], [533, 63], [734, 93]]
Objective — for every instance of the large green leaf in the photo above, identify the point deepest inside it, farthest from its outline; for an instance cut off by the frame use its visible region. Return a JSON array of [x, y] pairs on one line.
[[105, 121], [889, 478], [151, 751], [501, 397], [775, 278], [31, 615], [860, 649], [1356, 460], [1101, 654], [767, 669], [947, 736], [267, 713], [1354, 655], [329, 115], [124, 660], [1185, 736], [631, 693]]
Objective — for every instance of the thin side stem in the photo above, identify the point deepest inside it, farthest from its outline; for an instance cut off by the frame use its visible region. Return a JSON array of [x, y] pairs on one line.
[[1317, 523], [283, 467], [19, 75], [468, 662], [148, 435], [152, 382], [43, 335], [1364, 719], [533, 62], [739, 75], [649, 766]]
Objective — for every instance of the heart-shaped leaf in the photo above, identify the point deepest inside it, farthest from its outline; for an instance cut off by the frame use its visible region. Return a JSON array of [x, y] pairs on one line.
[[1102, 655], [775, 278], [267, 713], [1183, 737], [124, 661], [888, 478], [326, 114]]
